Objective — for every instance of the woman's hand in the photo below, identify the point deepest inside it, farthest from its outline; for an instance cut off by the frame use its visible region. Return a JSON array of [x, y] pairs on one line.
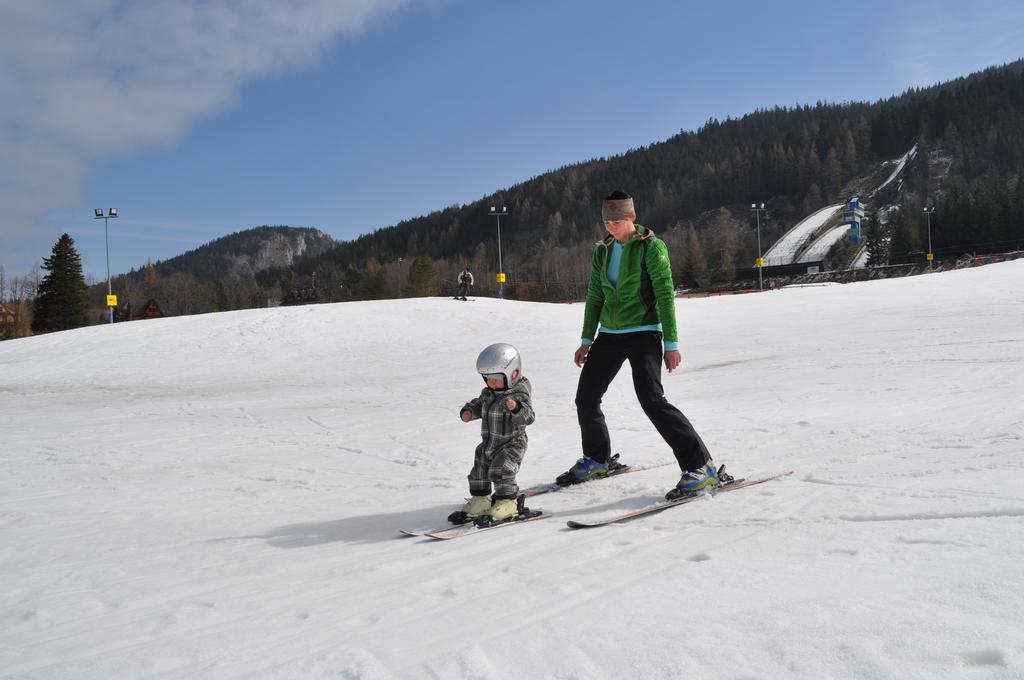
[[672, 359]]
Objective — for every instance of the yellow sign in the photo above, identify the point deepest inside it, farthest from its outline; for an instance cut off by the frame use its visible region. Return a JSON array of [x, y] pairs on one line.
[[930, 257], [759, 262], [111, 301], [501, 277]]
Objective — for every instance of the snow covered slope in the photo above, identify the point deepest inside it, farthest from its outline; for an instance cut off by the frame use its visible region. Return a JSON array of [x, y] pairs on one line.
[[219, 496]]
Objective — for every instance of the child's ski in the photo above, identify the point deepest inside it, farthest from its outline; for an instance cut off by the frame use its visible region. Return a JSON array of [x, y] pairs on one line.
[[467, 529], [462, 523], [731, 485]]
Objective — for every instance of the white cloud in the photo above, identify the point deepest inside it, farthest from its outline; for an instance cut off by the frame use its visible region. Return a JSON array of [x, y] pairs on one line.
[[87, 80]]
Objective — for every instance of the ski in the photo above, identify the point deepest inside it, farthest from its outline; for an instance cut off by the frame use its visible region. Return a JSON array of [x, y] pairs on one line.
[[436, 530], [424, 532], [468, 529], [732, 485], [615, 468], [461, 524]]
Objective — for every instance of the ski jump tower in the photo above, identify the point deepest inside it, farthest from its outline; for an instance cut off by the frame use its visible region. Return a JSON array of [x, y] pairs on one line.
[[853, 215]]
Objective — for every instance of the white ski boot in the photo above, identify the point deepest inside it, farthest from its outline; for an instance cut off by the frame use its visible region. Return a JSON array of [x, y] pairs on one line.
[[503, 509], [476, 506]]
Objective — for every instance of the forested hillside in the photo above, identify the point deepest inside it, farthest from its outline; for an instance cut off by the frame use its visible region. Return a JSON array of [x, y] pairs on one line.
[[220, 275], [694, 190]]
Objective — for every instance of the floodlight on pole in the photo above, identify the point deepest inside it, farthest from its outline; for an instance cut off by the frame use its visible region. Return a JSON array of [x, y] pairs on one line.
[[928, 214], [501, 272], [757, 209], [98, 215]]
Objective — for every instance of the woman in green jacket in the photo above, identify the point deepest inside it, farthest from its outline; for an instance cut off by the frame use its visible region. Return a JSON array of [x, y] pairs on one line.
[[632, 297]]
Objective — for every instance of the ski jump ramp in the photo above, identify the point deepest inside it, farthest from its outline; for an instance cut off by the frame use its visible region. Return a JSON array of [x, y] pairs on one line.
[[789, 248], [819, 249], [786, 248]]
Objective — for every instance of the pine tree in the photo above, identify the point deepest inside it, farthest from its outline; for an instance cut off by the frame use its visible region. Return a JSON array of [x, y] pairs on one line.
[[375, 285], [423, 278], [831, 174], [877, 240], [1017, 210], [907, 232], [813, 200], [62, 301], [221, 297]]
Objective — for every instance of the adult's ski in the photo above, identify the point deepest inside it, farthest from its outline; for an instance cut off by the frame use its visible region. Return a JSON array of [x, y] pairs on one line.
[[615, 468], [731, 485]]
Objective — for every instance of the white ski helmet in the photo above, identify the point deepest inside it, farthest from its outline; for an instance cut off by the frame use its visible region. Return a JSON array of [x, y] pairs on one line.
[[501, 359]]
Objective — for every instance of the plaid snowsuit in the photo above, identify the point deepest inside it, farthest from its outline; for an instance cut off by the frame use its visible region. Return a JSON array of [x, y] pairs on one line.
[[501, 452]]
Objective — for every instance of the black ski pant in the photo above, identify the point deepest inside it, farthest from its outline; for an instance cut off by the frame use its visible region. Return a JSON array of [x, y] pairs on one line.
[[643, 350]]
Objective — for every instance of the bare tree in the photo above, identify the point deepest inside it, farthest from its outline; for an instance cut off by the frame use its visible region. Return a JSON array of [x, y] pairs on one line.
[[726, 234], [21, 291], [696, 270]]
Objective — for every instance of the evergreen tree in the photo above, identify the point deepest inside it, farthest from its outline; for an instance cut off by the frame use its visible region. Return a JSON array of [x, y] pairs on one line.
[[1017, 209], [877, 242], [62, 300], [423, 278], [813, 200], [831, 175], [907, 232], [375, 286], [221, 297]]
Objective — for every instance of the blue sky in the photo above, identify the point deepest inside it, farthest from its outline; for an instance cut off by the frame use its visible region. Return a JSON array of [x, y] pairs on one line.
[[200, 118]]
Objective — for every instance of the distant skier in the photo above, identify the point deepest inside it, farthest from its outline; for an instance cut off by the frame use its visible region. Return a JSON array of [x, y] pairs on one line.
[[504, 410], [632, 295], [465, 284]]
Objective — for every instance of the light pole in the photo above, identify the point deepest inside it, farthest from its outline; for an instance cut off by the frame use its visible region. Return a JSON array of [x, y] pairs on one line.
[[928, 214], [98, 215], [757, 210], [501, 272]]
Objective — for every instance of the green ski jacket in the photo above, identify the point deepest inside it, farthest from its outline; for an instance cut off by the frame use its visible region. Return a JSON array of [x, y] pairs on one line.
[[644, 294]]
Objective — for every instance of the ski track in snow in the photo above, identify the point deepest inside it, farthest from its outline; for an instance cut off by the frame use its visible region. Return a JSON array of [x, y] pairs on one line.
[[226, 504]]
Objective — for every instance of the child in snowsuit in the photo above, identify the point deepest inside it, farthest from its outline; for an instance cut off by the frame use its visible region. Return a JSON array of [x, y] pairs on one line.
[[504, 410]]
